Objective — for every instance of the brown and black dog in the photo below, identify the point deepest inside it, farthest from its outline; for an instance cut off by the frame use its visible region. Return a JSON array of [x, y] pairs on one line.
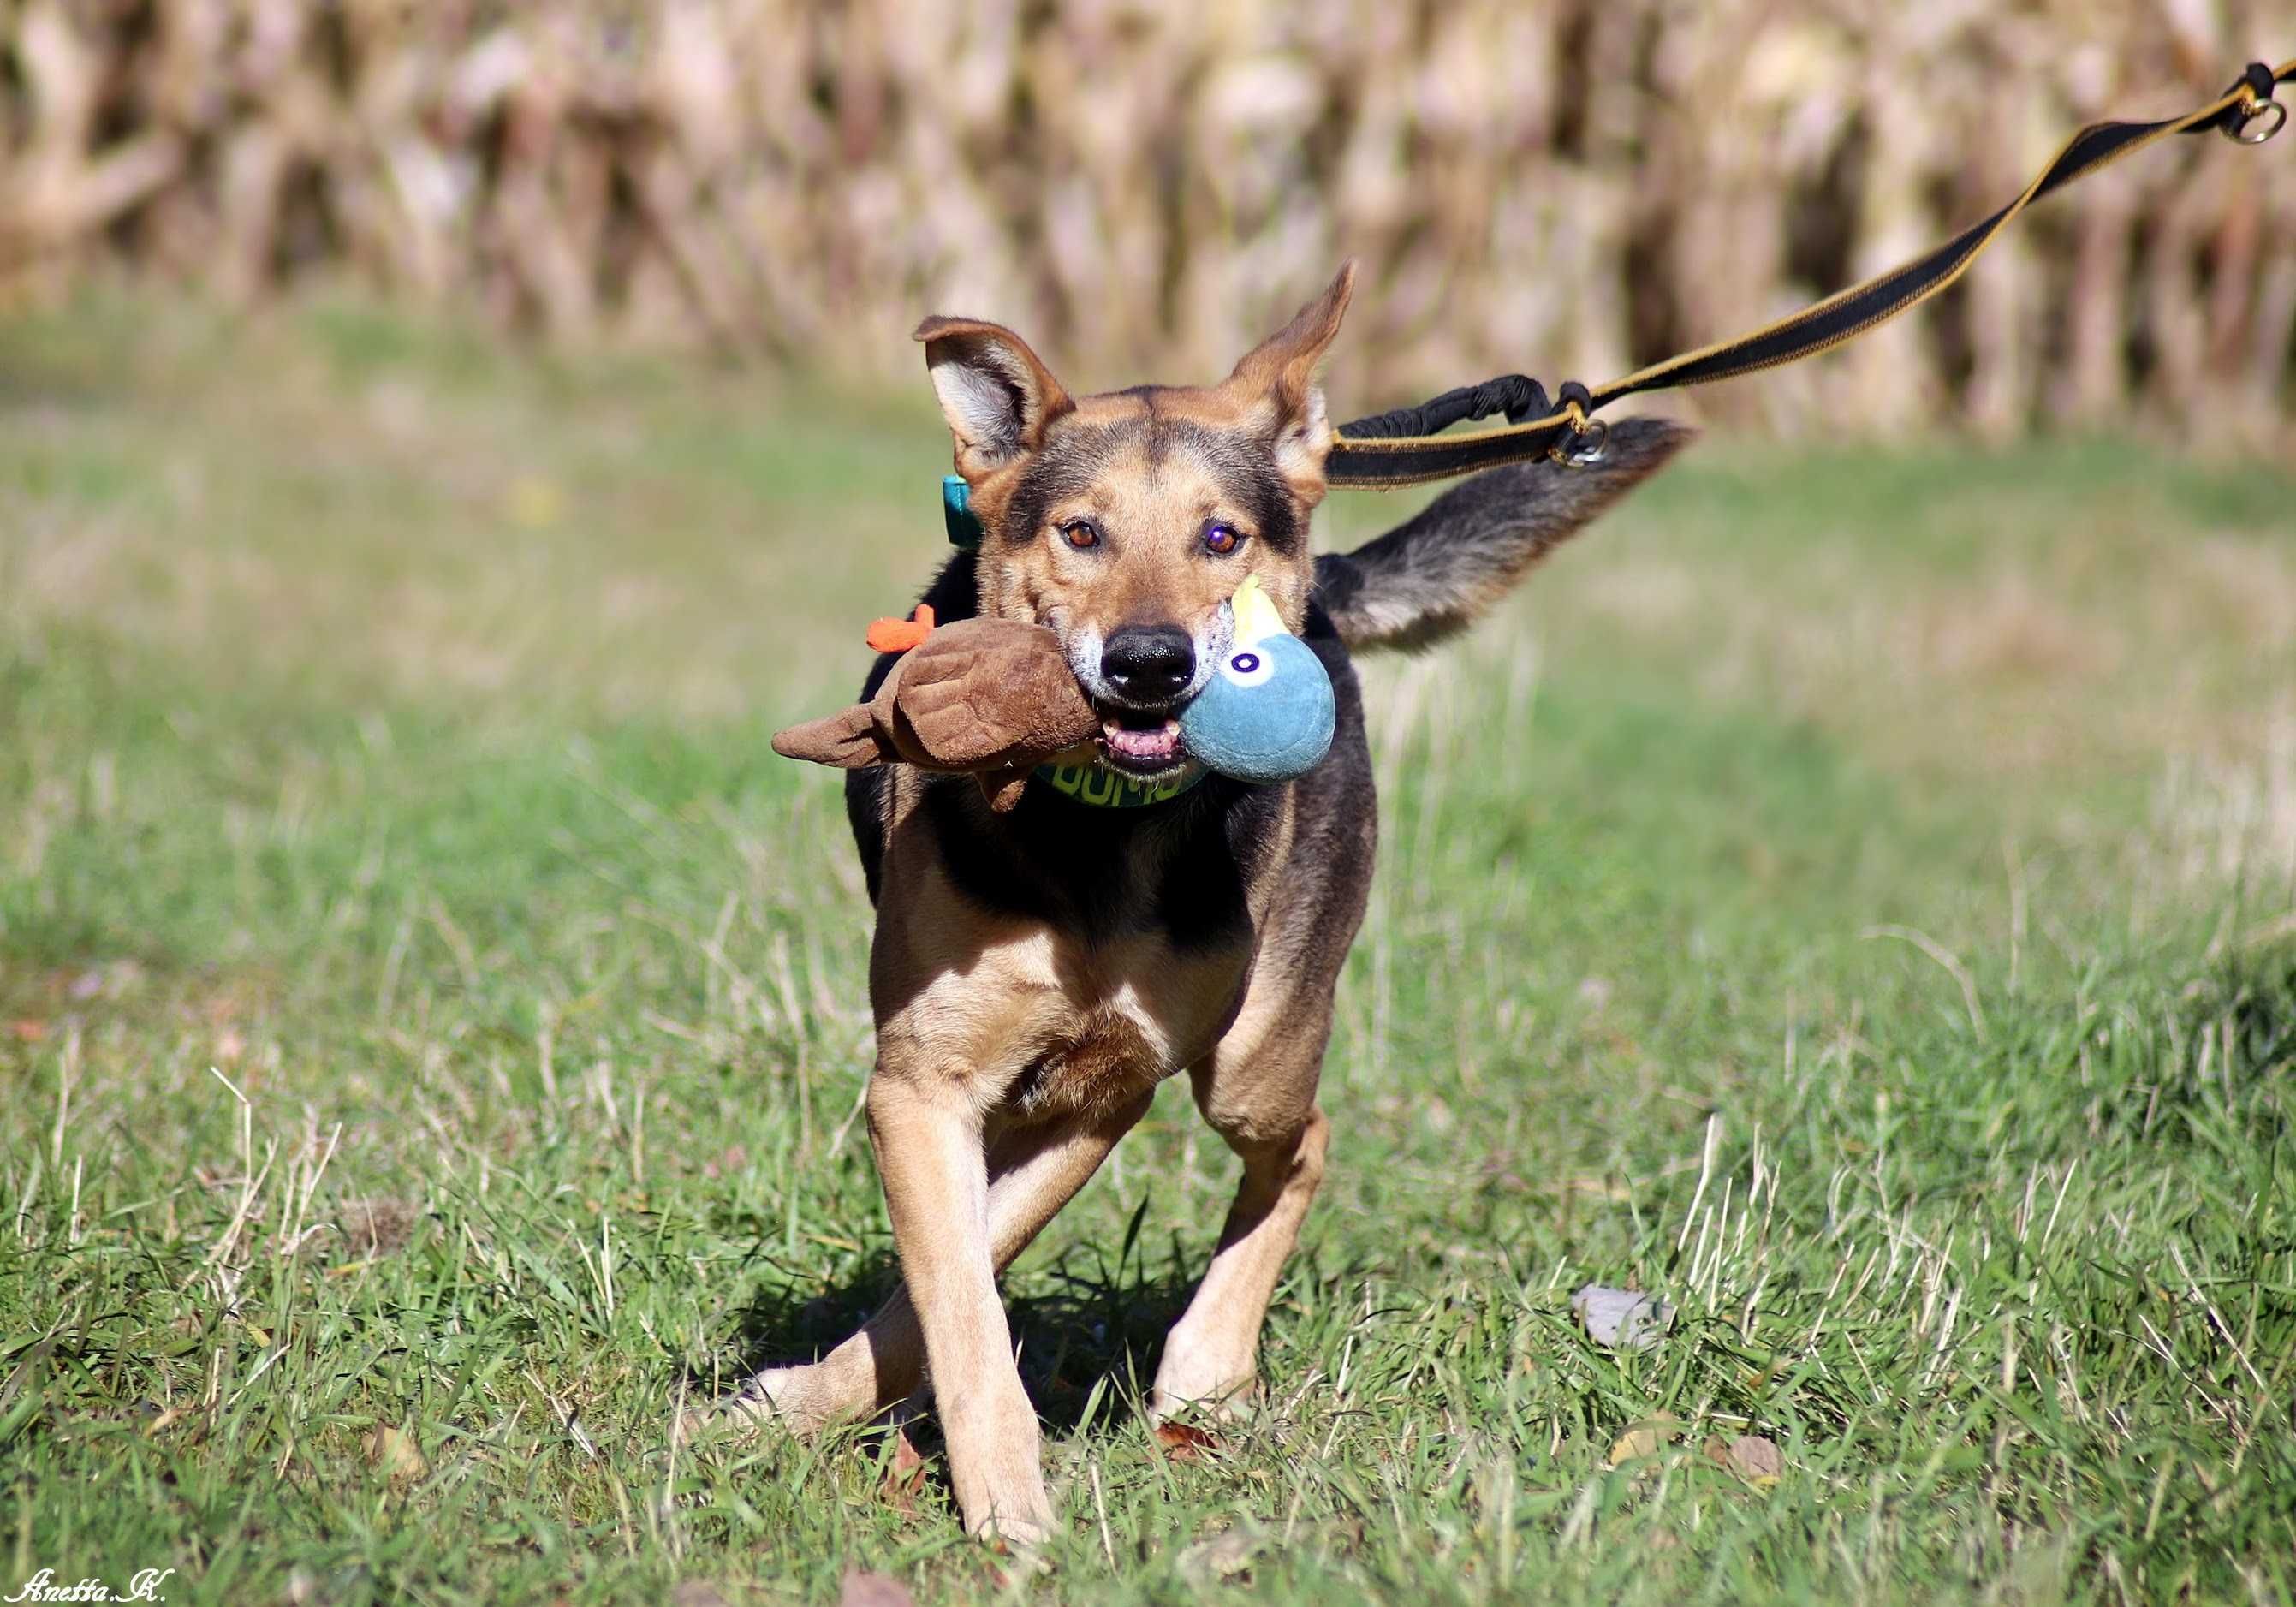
[[1036, 975]]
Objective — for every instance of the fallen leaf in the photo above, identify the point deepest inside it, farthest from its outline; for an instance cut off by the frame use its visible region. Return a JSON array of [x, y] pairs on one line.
[[1621, 1319], [1749, 1456], [395, 1452], [1644, 1438], [28, 1030], [697, 1593], [1183, 1442], [862, 1588], [379, 1226], [905, 1480]]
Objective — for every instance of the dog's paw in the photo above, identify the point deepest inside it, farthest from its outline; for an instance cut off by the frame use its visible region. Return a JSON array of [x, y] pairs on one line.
[[1021, 1535], [1203, 1382], [739, 1419], [1019, 1524], [785, 1400]]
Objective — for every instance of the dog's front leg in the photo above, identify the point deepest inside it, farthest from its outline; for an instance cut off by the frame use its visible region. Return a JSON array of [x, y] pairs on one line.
[[930, 1157], [1258, 1090], [1210, 1359], [1032, 1172]]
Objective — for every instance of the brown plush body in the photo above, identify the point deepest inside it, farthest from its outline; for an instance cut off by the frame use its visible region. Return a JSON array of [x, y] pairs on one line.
[[994, 696]]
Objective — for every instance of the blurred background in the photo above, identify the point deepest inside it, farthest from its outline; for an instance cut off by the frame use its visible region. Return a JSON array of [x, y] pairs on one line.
[[1567, 188]]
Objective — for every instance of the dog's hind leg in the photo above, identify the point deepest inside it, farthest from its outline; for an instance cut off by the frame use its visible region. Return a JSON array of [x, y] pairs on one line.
[[1032, 1173], [1277, 1130]]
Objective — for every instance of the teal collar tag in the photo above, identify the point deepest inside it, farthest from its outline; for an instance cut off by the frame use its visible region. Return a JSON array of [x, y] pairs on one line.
[[957, 513], [1102, 788]]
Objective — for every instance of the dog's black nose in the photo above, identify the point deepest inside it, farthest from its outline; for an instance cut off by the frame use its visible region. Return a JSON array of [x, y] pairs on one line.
[[1149, 664]]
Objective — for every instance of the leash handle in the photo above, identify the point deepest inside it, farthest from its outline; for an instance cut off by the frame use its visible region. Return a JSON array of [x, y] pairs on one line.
[[1405, 446]]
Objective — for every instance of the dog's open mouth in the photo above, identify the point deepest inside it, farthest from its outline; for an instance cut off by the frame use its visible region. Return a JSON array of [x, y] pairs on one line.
[[1140, 743]]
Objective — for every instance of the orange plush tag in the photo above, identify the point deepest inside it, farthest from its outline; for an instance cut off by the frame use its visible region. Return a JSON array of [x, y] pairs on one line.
[[899, 635]]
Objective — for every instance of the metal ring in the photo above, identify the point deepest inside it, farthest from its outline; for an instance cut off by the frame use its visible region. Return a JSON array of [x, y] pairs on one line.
[[1584, 445], [2271, 114]]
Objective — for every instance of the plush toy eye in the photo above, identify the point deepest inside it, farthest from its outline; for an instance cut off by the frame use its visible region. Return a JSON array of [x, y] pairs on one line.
[[1221, 540], [1082, 534], [1247, 668]]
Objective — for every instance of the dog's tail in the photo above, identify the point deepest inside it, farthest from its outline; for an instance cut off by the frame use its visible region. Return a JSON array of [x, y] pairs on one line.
[[1437, 572]]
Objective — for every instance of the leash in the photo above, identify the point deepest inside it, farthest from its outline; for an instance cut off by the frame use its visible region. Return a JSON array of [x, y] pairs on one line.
[[1407, 447]]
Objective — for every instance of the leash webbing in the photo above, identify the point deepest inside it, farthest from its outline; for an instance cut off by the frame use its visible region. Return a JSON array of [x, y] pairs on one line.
[[1404, 447]]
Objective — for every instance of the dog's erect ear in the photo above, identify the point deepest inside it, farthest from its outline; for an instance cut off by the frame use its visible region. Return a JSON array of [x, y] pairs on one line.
[[1278, 377], [996, 393]]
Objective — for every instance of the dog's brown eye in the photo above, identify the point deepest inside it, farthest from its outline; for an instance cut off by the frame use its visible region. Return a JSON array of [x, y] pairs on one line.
[[1221, 540], [1080, 534]]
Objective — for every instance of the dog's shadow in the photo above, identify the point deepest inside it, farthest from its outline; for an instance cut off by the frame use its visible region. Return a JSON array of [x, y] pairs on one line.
[[1089, 1328]]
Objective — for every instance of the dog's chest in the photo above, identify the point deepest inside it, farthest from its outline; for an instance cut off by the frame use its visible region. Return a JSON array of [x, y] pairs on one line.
[[1041, 1020], [1044, 1023], [1121, 1020], [1102, 1059], [1057, 963]]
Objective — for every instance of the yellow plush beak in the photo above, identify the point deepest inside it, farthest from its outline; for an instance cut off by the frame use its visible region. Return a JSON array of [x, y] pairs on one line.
[[1256, 618]]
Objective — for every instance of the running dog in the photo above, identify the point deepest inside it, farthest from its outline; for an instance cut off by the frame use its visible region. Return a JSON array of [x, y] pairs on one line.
[[1037, 973]]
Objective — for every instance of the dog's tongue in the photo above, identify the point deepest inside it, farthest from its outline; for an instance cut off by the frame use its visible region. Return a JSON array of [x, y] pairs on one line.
[[1142, 741]]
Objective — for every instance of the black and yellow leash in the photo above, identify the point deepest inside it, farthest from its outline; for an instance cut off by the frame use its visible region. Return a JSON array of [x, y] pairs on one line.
[[1407, 447]]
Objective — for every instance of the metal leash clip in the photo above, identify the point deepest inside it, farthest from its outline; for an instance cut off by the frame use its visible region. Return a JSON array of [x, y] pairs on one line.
[[1583, 442], [1584, 445], [1586, 439], [2257, 107], [2271, 114]]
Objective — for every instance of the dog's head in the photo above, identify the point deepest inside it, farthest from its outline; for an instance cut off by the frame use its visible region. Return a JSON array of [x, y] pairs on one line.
[[1126, 521]]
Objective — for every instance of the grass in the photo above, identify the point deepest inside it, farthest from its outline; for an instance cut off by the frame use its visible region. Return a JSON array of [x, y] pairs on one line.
[[1850, 895]]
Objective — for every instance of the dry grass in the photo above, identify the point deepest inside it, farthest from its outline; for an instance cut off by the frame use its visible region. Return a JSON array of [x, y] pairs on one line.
[[1568, 187]]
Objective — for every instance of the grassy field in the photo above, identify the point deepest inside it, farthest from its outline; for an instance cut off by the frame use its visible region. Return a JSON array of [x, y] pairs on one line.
[[1850, 894]]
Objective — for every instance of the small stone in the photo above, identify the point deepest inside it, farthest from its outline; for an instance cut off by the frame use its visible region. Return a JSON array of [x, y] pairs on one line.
[[1621, 1319]]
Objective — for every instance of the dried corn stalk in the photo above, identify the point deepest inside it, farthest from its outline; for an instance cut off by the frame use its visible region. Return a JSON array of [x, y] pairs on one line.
[[1567, 187]]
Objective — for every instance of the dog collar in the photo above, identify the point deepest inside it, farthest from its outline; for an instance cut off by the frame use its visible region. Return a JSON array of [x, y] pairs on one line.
[[1102, 788]]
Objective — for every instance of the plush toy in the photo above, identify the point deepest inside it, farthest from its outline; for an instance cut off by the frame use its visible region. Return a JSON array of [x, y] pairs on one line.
[[996, 698], [1267, 714], [993, 696]]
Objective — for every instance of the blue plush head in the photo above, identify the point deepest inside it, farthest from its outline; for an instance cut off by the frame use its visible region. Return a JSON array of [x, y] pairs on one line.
[[1267, 713]]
